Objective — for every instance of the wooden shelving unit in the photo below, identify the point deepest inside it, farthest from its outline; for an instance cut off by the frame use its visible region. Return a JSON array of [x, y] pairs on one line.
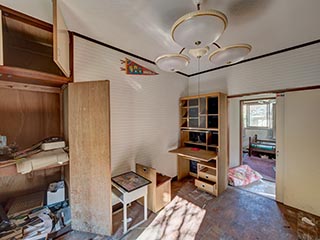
[[199, 121], [26, 51], [38, 100], [203, 132]]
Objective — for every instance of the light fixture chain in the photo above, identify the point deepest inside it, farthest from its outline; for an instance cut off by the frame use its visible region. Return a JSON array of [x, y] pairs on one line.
[[199, 76]]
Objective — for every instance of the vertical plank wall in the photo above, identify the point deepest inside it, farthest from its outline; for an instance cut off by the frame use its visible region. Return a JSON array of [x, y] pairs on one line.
[[296, 68], [144, 109], [89, 142]]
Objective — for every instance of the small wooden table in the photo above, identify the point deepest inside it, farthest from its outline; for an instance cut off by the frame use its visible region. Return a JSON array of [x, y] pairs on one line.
[[129, 187]]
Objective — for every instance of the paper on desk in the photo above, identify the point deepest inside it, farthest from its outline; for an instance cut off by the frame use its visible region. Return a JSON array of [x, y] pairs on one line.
[[42, 160]]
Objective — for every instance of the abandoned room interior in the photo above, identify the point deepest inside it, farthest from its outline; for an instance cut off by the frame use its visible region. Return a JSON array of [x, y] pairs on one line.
[[159, 119]]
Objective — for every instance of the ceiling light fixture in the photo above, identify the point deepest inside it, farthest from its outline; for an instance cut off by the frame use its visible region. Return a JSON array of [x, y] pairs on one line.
[[199, 29], [230, 54], [196, 31], [172, 62]]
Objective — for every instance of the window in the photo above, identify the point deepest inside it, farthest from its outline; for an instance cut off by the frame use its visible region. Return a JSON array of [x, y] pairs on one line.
[[258, 114]]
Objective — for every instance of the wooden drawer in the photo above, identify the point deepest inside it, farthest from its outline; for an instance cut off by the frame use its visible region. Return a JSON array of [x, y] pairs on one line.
[[210, 188], [208, 174]]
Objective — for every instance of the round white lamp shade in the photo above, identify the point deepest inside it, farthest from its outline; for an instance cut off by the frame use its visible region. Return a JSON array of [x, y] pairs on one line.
[[172, 62], [230, 54], [199, 29]]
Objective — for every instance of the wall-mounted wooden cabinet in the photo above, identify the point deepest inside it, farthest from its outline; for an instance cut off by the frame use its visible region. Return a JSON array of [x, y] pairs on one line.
[[61, 40], [26, 50], [201, 121], [200, 112]]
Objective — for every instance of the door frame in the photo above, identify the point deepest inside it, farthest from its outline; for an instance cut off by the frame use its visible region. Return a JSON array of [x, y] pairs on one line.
[[241, 121]]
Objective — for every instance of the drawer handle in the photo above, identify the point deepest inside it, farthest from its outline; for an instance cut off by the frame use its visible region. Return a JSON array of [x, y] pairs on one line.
[[203, 185], [207, 176]]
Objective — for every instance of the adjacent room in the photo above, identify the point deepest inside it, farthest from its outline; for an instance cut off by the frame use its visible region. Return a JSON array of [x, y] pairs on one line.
[[258, 141], [159, 119]]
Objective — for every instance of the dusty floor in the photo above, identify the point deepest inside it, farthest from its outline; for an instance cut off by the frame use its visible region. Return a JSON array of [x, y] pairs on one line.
[[262, 187], [235, 214]]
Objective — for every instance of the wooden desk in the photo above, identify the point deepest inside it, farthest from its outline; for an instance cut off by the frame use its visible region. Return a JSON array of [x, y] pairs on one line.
[[201, 155], [185, 154], [211, 173], [129, 187]]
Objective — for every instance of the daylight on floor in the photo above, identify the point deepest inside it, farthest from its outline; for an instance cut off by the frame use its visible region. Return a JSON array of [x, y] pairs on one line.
[[159, 120]]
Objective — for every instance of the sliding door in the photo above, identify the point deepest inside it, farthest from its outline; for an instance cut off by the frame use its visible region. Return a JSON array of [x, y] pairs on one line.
[[299, 157]]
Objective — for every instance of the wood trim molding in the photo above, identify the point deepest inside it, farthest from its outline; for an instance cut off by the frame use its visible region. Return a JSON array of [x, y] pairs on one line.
[[259, 57], [276, 91], [71, 56], [29, 87], [119, 50], [32, 76], [49, 27], [205, 71], [241, 132], [213, 94], [254, 100], [8, 12]]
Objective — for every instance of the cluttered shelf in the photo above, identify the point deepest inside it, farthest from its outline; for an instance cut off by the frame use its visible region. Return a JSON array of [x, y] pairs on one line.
[[48, 153], [10, 169], [36, 216]]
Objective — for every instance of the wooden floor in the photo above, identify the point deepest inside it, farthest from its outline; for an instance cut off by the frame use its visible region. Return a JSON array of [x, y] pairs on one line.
[[235, 214]]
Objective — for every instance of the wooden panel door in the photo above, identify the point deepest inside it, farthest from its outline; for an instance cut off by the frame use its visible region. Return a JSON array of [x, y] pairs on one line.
[[61, 48], [89, 142], [301, 150]]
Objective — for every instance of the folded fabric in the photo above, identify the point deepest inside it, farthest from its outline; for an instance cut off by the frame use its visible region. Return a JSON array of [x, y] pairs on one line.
[[242, 175], [42, 160]]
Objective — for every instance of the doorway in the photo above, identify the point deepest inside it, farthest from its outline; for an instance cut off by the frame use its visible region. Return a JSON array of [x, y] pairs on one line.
[[258, 142]]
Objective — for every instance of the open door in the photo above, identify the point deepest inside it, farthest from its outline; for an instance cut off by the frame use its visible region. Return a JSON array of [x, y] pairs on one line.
[[61, 41], [298, 165], [90, 168]]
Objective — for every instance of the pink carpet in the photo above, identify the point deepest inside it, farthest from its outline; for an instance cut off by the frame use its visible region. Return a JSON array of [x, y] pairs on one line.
[[266, 167]]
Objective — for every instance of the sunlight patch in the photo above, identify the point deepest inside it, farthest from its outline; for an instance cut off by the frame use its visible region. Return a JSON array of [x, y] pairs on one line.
[[180, 219]]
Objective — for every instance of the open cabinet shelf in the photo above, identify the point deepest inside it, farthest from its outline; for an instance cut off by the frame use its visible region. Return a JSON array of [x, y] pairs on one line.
[[26, 50]]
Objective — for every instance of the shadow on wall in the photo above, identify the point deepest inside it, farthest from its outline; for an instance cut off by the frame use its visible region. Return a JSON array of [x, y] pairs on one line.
[[123, 166]]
